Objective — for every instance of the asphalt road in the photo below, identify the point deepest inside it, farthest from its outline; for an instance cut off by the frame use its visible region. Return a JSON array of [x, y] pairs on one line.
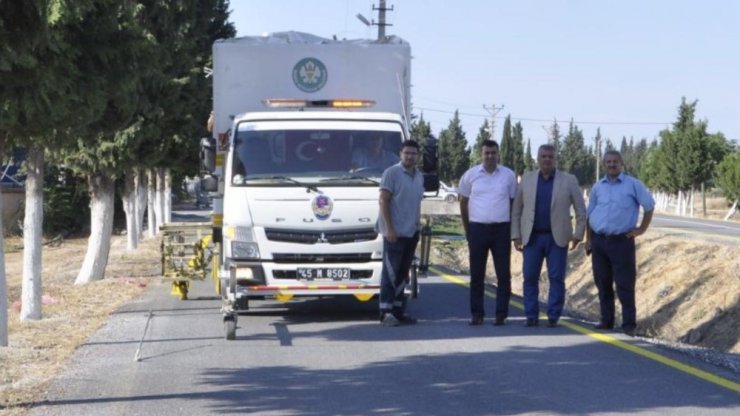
[[729, 231], [331, 357]]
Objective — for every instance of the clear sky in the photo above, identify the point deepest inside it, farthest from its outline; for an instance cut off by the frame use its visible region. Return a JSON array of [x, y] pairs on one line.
[[622, 66]]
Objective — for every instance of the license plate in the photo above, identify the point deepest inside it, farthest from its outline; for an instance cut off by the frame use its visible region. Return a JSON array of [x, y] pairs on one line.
[[327, 273]]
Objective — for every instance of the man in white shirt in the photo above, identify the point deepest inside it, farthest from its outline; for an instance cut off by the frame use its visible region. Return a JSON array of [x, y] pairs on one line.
[[487, 191]]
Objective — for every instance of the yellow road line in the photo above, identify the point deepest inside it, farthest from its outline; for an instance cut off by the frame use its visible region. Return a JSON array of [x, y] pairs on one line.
[[704, 375]]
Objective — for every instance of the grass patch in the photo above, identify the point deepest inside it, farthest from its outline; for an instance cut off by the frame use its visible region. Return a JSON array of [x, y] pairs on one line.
[[446, 225]]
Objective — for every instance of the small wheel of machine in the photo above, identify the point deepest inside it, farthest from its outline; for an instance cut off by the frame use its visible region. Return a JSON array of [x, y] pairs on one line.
[[230, 328], [414, 281]]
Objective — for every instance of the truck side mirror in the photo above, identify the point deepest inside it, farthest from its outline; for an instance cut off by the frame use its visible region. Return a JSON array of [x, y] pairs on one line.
[[431, 182], [430, 157], [430, 164], [208, 154]]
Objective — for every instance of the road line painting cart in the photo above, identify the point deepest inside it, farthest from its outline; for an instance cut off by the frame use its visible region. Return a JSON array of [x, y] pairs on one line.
[[187, 250]]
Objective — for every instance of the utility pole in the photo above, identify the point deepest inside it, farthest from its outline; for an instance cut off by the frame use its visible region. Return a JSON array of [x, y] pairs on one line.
[[381, 19], [493, 110]]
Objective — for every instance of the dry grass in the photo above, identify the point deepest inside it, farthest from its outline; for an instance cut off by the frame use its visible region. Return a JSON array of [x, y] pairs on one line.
[[38, 350]]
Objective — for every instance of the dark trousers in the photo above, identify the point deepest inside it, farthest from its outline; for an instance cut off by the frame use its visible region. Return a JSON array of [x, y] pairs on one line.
[[539, 248], [613, 260], [495, 238], [397, 259]]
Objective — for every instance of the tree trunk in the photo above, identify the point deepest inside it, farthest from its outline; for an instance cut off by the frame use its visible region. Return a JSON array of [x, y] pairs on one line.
[[3, 287], [704, 200], [167, 196], [140, 178], [32, 232], [679, 203], [102, 192], [151, 190], [129, 208], [159, 198], [732, 210]]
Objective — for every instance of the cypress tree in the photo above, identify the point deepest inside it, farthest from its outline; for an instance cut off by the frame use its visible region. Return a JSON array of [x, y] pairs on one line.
[[453, 151], [484, 133], [506, 156]]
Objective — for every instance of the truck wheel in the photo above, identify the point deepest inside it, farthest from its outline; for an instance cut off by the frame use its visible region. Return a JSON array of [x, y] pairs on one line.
[[450, 198], [230, 328]]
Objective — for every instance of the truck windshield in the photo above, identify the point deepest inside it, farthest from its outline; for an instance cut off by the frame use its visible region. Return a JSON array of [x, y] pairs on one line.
[[312, 155]]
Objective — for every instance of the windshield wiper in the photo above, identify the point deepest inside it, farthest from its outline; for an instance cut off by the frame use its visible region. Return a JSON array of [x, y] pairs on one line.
[[309, 187], [350, 178]]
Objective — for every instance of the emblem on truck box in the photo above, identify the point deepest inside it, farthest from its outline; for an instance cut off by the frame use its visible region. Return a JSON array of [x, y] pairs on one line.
[[322, 206], [309, 75]]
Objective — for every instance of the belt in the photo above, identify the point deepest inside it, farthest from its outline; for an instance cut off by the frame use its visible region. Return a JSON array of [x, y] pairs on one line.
[[612, 236], [542, 231], [490, 223]]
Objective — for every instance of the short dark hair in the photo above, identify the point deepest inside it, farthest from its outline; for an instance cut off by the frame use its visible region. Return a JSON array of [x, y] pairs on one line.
[[614, 153], [489, 143], [410, 143], [549, 147]]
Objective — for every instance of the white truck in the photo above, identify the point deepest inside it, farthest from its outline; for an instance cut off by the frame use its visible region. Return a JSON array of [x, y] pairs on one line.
[[303, 128]]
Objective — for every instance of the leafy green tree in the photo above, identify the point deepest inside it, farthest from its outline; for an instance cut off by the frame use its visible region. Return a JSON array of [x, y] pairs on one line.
[[608, 146], [574, 157], [517, 144], [419, 131], [24, 96], [625, 149], [178, 98], [651, 172], [687, 154], [44, 95], [728, 177], [506, 156], [529, 164], [453, 151], [554, 137], [597, 153], [484, 133]]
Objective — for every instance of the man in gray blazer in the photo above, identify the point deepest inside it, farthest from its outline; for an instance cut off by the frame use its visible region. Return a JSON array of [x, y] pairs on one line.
[[541, 227]]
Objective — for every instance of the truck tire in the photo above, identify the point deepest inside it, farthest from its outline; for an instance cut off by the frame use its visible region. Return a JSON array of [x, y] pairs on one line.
[[230, 329]]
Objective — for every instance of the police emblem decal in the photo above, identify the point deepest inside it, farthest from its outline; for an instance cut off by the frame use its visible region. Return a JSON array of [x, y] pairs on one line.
[[310, 75], [322, 207]]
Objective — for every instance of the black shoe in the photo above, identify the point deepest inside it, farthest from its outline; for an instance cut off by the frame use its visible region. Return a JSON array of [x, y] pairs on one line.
[[531, 323], [476, 320], [552, 323], [629, 331], [407, 320], [604, 326], [499, 321]]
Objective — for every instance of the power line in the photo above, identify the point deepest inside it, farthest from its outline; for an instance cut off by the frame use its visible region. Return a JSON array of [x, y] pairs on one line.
[[539, 120]]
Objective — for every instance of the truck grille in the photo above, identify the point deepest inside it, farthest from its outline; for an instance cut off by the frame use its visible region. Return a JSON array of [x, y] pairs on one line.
[[313, 237], [321, 258]]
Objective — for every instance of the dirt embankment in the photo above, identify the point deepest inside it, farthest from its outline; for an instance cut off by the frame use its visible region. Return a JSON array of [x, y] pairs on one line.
[[687, 290]]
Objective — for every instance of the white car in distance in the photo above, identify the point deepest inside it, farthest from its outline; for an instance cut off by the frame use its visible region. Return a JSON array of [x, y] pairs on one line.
[[446, 193]]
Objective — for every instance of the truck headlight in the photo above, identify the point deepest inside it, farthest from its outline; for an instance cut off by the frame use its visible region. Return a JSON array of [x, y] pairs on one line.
[[244, 250]]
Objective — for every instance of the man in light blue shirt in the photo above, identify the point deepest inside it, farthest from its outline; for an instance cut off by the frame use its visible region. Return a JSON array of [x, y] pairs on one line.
[[613, 210]]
